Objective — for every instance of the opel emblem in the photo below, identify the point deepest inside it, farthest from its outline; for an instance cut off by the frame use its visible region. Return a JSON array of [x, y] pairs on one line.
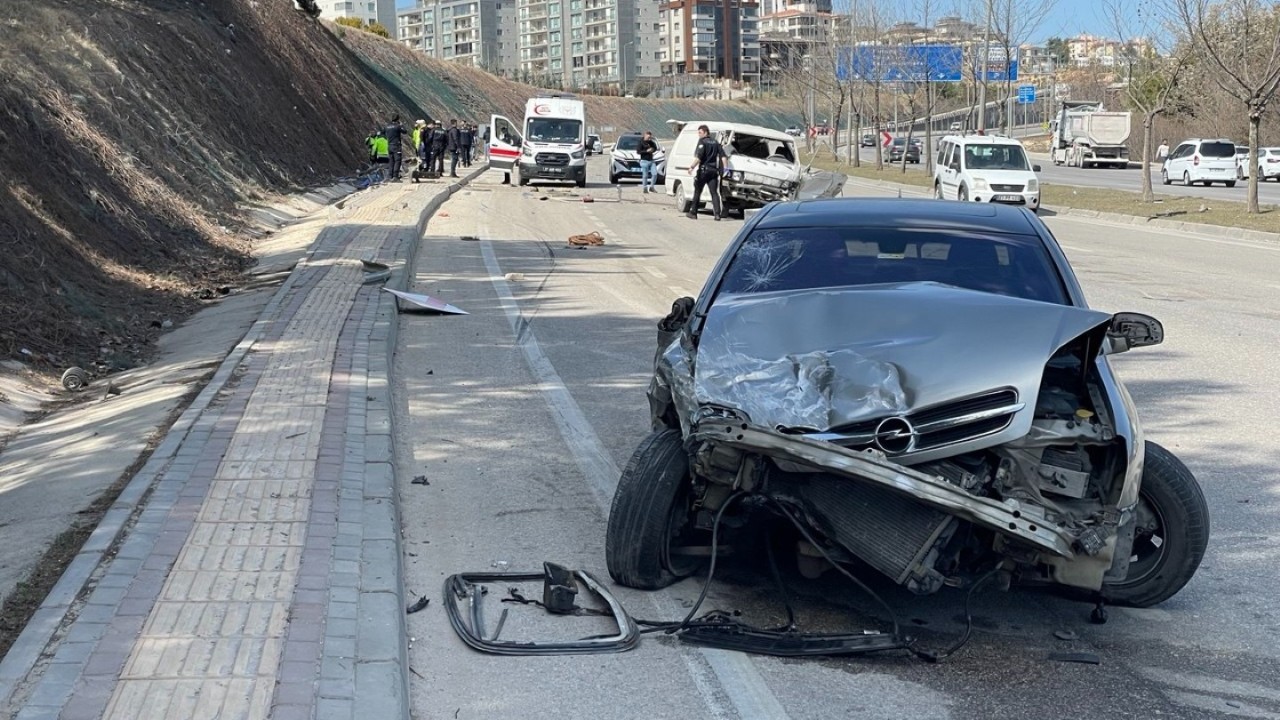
[[895, 435]]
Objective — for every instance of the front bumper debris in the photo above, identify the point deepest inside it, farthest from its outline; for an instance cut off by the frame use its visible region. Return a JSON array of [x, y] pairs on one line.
[[1010, 518]]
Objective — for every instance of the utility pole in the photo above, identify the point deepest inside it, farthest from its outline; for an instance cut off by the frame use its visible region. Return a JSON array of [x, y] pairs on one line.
[[986, 58]]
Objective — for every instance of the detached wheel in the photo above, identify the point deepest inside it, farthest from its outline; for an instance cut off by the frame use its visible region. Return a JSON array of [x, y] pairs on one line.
[[1171, 535], [650, 515], [75, 379]]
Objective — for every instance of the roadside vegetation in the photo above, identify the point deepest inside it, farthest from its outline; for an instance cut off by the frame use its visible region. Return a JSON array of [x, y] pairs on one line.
[[1183, 68]]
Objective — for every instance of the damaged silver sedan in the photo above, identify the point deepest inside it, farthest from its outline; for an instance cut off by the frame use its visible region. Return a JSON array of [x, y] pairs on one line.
[[924, 388]]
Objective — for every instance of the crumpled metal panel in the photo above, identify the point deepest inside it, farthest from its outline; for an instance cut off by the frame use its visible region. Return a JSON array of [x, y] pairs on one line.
[[818, 359], [821, 184]]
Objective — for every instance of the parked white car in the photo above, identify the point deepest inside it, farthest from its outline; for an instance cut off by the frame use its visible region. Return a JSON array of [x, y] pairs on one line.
[[1268, 165], [985, 168], [1201, 160]]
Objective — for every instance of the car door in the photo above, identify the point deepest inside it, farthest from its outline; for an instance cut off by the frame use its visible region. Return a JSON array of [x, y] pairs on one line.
[[947, 171], [1176, 164], [504, 143]]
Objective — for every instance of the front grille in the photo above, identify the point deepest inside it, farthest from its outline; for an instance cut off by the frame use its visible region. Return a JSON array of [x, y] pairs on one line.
[[551, 159], [941, 425], [1006, 188]]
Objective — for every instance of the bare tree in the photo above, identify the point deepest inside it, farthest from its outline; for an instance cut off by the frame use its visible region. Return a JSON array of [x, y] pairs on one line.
[[1241, 38], [1014, 22], [1152, 73]]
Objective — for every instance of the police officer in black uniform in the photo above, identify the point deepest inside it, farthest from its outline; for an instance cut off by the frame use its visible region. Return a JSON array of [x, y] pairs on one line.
[[707, 157]]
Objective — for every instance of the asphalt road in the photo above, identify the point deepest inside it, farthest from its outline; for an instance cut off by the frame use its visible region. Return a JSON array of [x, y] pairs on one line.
[[520, 414], [1131, 180]]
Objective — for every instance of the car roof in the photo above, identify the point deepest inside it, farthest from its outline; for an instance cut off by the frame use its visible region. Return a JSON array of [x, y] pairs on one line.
[[898, 212], [716, 126]]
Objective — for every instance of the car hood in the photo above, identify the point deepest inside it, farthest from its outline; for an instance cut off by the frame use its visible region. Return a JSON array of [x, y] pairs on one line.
[[813, 360], [1003, 177]]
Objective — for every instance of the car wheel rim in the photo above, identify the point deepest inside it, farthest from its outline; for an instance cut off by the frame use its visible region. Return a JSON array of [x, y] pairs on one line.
[[1150, 543]]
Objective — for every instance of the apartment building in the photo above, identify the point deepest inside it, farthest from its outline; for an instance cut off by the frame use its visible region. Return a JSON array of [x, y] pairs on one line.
[[773, 7], [474, 32], [578, 44], [719, 38], [379, 11]]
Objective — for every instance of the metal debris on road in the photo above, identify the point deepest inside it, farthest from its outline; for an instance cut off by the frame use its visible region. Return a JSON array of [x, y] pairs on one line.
[[426, 302]]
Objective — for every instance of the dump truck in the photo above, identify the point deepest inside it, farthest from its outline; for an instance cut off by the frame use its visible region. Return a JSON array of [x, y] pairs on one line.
[[1086, 135]]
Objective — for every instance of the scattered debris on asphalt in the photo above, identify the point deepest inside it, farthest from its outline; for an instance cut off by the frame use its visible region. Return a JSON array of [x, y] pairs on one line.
[[560, 588], [469, 238], [586, 240], [425, 302], [1066, 635], [420, 480], [514, 277], [421, 604]]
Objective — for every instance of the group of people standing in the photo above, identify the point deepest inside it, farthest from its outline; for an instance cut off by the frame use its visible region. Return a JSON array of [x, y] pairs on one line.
[[431, 142]]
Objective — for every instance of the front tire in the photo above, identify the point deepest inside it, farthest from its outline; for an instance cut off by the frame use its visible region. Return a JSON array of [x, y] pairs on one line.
[[1230, 183], [650, 511], [937, 191], [1171, 535], [963, 194], [1186, 178], [1164, 177]]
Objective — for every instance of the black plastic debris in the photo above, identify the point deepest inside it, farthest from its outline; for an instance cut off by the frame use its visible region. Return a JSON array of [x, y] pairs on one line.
[[420, 480], [469, 587], [558, 589], [421, 604]]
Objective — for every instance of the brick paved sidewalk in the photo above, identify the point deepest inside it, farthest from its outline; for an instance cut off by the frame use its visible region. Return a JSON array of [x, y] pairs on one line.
[[252, 568]]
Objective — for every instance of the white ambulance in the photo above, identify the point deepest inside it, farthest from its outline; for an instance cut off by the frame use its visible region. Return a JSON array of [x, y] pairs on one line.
[[550, 145]]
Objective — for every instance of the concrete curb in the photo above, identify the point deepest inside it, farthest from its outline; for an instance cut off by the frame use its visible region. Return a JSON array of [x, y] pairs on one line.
[[380, 357], [1191, 228]]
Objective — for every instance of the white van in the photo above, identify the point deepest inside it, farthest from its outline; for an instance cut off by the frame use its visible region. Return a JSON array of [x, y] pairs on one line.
[[762, 165], [1201, 161], [985, 168], [553, 144]]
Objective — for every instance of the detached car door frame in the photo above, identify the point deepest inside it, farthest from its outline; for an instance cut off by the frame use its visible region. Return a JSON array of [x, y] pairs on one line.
[[503, 154]]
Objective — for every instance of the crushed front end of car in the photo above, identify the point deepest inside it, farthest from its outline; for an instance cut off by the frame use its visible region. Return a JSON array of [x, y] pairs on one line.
[[912, 429]]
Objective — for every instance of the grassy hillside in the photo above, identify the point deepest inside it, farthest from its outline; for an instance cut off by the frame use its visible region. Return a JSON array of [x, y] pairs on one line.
[[132, 130]]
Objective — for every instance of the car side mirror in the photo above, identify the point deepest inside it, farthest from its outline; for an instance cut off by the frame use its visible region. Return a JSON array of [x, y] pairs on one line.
[[1035, 168], [674, 322], [1133, 330], [955, 165]]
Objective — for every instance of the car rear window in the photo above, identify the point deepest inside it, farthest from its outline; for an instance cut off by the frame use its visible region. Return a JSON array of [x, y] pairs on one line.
[[804, 258], [1218, 149]]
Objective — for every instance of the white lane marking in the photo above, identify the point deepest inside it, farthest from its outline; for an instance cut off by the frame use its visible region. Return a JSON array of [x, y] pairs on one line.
[[592, 458], [738, 676], [680, 292], [655, 272]]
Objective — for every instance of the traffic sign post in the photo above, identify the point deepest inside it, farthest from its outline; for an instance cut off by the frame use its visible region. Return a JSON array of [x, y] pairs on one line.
[[1026, 94]]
